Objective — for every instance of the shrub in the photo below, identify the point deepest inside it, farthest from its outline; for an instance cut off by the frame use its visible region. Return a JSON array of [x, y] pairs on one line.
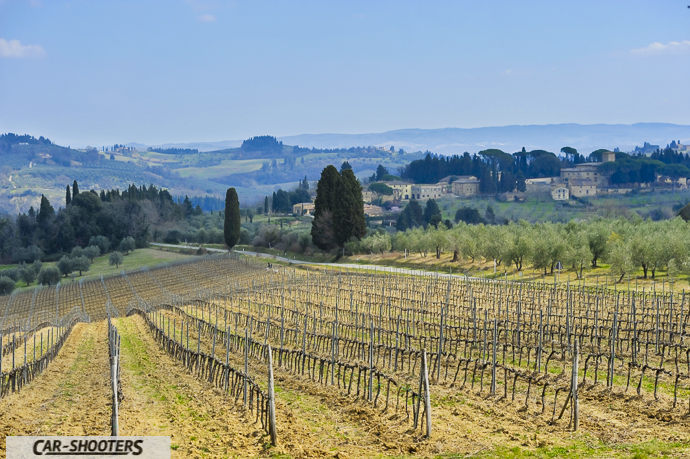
[[65, 266], [115, 259], [269, 235], [92, 252], [36, 266], [101, 242], [6, 285], [12, 273], [127, 245], [172, 237], [81, 264], [201, 236], [28, 254], [27, 274], [215, 236], [49, 275]]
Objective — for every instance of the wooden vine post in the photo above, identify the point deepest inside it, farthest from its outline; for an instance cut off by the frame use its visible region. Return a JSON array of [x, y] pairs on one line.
[[271, 401], [427, 399], [576, 401]]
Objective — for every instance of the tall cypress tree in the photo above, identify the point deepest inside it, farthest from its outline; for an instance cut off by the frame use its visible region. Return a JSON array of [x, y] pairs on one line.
[[68, 197], [233, 219], [348, 212], [322, 230], [75, 189], [46, 213], [266, 205]]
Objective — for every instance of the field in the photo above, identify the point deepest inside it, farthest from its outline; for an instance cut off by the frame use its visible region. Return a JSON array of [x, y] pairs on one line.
[[350, 364], [134, 260]]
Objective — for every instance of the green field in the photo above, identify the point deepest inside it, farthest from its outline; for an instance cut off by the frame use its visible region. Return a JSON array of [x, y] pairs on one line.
[[136, 259], [227, 167]]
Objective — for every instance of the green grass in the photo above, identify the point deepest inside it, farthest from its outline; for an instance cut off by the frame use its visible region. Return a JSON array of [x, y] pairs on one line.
[[227, 167], [589, 447], [135, 259]]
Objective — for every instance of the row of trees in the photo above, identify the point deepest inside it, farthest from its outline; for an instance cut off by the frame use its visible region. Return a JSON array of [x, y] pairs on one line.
[[515, 168], [413, 215], [135, 212], [628, 246]]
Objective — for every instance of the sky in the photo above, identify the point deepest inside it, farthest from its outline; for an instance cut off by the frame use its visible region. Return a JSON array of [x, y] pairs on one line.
[[101, 72]]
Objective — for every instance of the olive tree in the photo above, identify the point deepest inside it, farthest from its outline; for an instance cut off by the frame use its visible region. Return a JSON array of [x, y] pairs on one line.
[[115, 259], [49, 275], [6, 285]]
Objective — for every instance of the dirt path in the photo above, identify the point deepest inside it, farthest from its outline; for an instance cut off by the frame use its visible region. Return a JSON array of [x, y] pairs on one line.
[[161, 398], [72, 397]]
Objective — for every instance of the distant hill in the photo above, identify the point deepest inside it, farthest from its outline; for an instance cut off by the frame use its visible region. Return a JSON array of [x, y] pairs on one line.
[[550, 137], [258, 166]]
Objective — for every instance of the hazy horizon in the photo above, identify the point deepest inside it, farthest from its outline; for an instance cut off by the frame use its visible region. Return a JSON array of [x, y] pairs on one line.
[[170, 72]]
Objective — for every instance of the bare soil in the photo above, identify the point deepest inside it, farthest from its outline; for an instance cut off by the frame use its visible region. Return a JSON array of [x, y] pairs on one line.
[[72, 397], [162, 398]]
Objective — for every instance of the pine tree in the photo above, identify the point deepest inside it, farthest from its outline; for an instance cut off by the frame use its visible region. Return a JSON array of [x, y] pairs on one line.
[[68, 197], [233, 219], [75, 189], [322, 227]]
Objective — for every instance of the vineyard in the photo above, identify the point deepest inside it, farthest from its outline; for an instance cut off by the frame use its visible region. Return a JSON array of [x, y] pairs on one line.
[[231, 358]]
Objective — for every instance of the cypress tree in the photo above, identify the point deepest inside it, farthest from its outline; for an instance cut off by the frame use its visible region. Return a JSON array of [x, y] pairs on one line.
[[75, 189], [233, 219], [68, 197], [322, 227], [266, 205], [46, 212], [430, 210], [348, 212]]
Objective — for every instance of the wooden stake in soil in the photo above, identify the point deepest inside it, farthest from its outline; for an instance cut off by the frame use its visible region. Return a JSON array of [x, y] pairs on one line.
[[576, 404], [271, 401], [246, 364], [493, 367], [427, 399]]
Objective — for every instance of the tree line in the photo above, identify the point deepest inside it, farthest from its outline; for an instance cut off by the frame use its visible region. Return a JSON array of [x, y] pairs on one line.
[[517, 167], [46, 233], [9, 139], [628, 246]]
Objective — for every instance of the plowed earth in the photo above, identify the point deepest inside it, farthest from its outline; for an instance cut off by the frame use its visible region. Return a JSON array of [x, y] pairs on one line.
[[161, 398], [72, 397], [320, 421]]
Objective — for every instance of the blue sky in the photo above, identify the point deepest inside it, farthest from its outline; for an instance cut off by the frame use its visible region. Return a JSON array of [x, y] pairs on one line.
[[102, 72]]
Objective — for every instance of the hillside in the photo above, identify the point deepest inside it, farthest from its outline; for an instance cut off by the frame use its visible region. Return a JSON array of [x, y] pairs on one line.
[[31, 169], [552, 137]]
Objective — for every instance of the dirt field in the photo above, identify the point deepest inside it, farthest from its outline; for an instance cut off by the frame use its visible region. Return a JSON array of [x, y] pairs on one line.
[[322, 421], [160, 398], [72, 397]]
